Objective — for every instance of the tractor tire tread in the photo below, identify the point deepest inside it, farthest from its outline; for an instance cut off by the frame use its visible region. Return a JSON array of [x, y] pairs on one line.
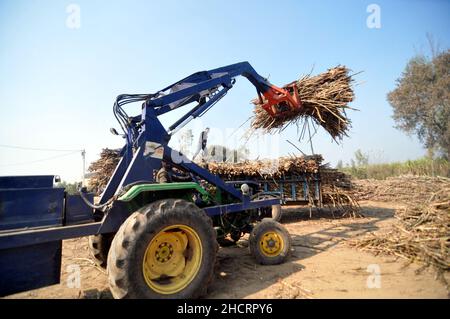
[[137, 224]]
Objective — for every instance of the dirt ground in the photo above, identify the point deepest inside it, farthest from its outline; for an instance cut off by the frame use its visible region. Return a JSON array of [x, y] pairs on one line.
[[322, 265]]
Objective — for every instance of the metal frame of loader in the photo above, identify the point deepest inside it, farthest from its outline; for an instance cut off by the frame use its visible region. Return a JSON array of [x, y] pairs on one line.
[[35, 216]]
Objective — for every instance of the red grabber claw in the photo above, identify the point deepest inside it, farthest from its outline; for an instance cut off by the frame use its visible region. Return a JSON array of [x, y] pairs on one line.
[[281, 101]]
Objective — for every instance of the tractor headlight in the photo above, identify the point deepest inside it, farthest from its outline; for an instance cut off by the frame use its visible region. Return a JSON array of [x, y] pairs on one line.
[[245, 189]]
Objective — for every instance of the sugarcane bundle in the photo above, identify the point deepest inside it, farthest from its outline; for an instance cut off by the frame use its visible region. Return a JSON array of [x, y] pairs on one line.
[[332, 176], [337, 192], [102, 169], [324, 97], [340, 200], [267, 168]]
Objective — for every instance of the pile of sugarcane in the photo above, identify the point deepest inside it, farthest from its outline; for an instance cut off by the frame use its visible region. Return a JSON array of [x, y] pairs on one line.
[[337, 192], [335, 177], [102, 169], [336, 186], [324, 97], [267, 168], [405, 189], [334, 183], [340, 200], [421, 235]]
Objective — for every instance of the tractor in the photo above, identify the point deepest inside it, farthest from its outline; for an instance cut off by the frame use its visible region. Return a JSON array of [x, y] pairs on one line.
[[156, 240]]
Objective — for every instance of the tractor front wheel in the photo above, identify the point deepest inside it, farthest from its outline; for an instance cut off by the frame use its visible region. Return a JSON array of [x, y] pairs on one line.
[[269, 242], [167, 249]]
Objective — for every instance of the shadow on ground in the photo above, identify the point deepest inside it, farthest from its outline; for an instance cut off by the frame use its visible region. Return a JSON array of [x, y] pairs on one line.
[[237, 275], [97, 294]]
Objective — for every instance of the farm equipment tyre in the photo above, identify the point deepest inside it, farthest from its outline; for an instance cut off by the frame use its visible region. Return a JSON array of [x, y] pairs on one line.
[[274, 211], [166, 249], [99, 247], [269, 242]]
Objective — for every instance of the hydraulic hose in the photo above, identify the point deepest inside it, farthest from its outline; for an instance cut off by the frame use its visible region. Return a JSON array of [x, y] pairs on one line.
[[91, 204]]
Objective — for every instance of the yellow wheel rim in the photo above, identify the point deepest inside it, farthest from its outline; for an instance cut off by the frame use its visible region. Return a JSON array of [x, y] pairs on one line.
[[172, 259], [271, 244]]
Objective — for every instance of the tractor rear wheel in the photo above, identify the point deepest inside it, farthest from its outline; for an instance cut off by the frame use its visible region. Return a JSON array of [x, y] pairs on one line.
[[269, 242], [99, 247], [167, 249]]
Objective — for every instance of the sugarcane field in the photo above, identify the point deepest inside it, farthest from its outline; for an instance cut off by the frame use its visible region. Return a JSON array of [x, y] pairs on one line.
[[307, 161]]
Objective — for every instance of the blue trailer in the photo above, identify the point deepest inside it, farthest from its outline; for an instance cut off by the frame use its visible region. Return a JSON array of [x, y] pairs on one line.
[[296, 189], [34, 218], [157, 240]]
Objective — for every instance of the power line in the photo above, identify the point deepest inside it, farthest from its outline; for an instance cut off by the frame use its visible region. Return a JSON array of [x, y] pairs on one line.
[[41, 160], [37, 149]]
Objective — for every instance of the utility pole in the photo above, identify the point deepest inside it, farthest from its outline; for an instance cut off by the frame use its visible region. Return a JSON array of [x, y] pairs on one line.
[[83, 155]]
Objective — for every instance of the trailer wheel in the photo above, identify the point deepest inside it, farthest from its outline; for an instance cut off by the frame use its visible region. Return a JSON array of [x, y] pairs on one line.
[[269, 242], [274, 211], [99, 247], [167, 249]]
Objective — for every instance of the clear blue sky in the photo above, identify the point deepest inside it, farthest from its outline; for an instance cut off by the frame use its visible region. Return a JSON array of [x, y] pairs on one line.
[[57, 84]]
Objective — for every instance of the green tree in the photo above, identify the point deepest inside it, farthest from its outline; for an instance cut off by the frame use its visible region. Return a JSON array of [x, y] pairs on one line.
[[362, 159], [358, 165], [339, 164], [421, 101]]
